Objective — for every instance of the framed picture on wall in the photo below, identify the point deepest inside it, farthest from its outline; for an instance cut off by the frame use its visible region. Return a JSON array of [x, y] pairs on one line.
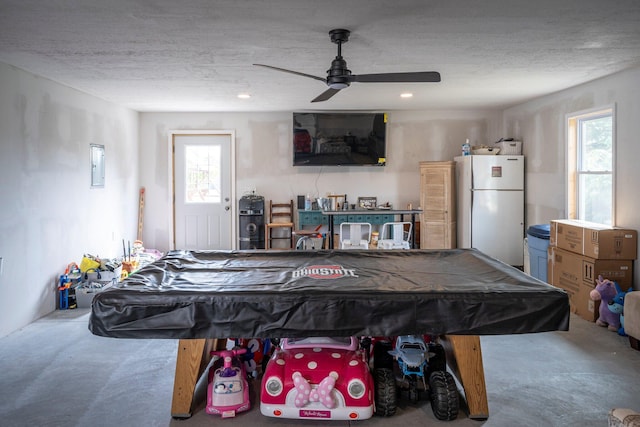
[[367, 202]]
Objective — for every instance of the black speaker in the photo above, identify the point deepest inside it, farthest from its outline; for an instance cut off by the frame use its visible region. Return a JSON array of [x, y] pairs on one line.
[[251, 205], [301, 202], [251, 244], [252, 227]]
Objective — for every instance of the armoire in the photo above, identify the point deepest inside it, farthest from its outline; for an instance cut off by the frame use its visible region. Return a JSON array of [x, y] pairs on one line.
[[438, 202]]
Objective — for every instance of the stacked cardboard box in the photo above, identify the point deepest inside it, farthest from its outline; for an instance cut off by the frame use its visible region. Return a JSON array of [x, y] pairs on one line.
[[580, 251]]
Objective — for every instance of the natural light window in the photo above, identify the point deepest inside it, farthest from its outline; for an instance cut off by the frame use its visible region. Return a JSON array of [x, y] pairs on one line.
[[203, 178], [590, 166]]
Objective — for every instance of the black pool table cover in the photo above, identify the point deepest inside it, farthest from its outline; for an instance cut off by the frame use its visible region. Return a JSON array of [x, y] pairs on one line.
[[266, 294]]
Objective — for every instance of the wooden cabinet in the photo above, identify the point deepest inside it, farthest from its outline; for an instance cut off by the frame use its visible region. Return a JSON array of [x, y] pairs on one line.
[[438, 202]]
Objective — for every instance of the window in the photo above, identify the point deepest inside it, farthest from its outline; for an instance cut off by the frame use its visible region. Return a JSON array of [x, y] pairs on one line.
[[203, 173], [590, 166]]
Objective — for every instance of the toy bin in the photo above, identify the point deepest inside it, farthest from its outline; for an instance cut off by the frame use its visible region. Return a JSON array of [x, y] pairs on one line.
[[510, 148], [538, 243], [87, 290]]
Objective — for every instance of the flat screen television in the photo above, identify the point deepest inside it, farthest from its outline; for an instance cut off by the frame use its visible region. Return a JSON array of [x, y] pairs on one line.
[[339, 139]]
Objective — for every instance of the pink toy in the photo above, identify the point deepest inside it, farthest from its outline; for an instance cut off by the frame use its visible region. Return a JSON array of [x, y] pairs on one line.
[[318, 378], [228, 388], [604, 292]]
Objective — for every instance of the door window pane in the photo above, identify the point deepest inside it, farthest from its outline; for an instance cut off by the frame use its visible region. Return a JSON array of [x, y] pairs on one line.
[[203, 179]]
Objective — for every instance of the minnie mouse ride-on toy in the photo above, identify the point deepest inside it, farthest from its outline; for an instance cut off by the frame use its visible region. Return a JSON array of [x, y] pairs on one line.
[[228, 388]]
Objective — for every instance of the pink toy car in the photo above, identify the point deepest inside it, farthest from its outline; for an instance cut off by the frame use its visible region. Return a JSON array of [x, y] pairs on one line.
[[318, 378], [228, 388]]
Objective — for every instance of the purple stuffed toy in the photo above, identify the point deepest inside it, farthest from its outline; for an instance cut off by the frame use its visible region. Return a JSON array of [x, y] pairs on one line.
[[604, 292]]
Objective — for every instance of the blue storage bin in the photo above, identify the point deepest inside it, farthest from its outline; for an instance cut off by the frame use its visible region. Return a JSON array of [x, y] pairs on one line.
[[538, 241]]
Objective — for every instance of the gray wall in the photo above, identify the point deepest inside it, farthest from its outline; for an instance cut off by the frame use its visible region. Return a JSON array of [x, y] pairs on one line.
[[49, 216]]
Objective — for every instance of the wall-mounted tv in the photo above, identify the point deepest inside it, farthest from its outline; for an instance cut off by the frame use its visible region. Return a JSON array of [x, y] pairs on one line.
[[339, 139]]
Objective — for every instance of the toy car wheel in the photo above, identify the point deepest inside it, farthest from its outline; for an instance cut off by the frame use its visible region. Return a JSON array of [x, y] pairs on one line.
[[437, 362], [381, 357], [444, 396], [386, 392]]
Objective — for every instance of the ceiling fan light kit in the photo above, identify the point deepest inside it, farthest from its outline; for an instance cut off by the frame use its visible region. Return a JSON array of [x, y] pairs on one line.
[[339, 76]]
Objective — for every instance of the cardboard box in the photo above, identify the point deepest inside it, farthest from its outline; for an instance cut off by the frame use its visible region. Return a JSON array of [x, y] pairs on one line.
[[571, 269], [577, 274], [580, 302], [584, 306], [596, 241]]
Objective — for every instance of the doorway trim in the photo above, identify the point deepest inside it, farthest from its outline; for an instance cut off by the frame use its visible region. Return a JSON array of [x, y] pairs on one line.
[[171, 179]]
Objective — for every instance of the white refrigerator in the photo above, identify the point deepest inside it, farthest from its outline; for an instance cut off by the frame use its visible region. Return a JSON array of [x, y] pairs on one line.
[[491, 205]]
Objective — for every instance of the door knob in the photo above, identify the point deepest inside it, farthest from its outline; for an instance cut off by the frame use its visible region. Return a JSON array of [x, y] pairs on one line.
[[226, 208]]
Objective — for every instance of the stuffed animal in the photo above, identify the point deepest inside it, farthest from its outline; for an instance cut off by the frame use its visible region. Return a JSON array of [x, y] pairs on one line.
[[604, 292], [617, 306]]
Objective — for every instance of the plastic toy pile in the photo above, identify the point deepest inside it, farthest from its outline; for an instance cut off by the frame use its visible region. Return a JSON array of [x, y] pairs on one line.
[[79, 283], [331, 378], [136, 257]]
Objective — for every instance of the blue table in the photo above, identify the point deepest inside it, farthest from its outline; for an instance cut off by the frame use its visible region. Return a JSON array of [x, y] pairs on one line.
[[372, 216]]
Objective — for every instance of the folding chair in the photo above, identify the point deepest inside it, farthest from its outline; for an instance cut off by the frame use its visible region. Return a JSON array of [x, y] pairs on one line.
[[395, 235], [357, 236]]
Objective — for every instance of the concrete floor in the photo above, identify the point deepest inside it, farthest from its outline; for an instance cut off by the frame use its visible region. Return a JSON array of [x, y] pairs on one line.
[[54, 372]]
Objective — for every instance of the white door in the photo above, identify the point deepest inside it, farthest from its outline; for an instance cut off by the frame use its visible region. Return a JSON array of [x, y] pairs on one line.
[[203, 207]]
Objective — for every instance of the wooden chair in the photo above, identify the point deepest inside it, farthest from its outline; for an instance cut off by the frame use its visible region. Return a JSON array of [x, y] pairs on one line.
[[279, 217]]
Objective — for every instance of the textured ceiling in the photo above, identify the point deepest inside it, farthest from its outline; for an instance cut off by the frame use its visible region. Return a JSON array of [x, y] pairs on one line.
[[197, 55]]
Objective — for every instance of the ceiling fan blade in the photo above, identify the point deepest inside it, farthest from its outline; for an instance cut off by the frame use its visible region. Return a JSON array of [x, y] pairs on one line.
[[325, 95], [322, 79], [417, 77]]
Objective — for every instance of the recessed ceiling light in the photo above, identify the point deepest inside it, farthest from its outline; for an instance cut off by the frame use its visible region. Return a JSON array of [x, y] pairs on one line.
[[406, 95], [244, 96]]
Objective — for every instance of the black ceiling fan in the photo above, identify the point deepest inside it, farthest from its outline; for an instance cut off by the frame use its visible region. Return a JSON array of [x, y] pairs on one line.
[[340, 77]]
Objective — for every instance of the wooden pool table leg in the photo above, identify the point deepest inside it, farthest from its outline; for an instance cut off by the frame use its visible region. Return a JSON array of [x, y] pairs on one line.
[[464, 357], [192, 360]]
